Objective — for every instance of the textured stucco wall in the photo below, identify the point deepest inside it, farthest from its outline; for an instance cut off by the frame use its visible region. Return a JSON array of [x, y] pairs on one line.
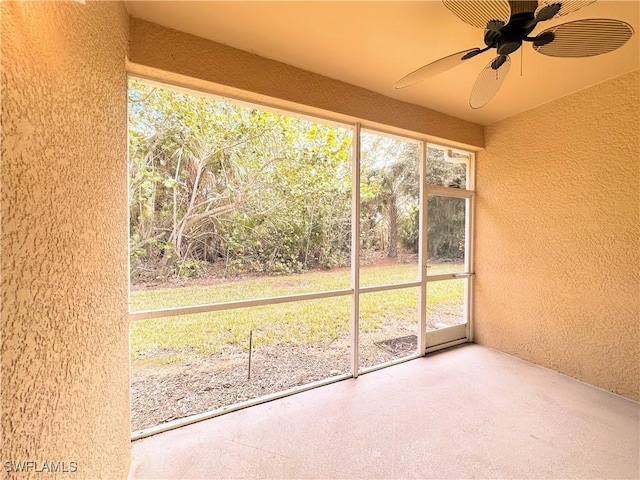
[[64, 330], [558, 235], [169, 51]]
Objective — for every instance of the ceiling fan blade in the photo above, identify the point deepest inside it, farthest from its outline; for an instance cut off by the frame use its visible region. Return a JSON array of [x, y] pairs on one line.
[[434, 68], [489, 81], [522, 6], [479, 13], [585, 38], [566, 6]]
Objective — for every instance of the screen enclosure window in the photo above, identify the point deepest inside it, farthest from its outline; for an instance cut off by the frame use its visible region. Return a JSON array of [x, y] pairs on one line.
[[271, 252]]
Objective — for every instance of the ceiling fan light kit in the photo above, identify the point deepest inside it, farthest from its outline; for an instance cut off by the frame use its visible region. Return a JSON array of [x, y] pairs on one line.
[[508, 24]]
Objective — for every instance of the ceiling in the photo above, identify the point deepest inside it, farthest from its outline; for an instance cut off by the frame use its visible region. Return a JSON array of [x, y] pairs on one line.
[[374, 44]]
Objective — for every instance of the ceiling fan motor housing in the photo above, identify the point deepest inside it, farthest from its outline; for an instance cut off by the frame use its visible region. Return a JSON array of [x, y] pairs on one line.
[[509, 37]]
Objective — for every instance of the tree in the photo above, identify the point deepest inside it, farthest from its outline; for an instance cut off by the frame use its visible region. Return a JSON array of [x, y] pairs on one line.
[[391, 172], [221, 188], [213, 180], [446, 215]]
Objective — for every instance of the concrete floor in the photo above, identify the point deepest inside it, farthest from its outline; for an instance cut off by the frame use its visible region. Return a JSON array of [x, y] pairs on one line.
[[469, 412]]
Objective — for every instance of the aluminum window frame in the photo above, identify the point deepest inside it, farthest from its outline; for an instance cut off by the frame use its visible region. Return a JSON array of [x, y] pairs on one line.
[[462, 333], [438, 340]]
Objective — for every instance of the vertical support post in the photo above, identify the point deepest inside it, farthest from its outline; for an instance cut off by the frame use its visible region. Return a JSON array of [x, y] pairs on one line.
[[422, 253], [250, 351], [355, 253], [469, 235]]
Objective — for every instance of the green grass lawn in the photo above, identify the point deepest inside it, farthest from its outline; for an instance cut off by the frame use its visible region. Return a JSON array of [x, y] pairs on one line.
[[309, 322]]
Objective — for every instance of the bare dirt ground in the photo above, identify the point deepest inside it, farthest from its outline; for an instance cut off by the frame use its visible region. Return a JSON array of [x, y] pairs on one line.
[[161, 393]]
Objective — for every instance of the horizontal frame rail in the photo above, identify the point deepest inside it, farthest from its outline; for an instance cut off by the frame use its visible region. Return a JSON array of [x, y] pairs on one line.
[[384, 288], [217, 307], [260, 302], [448, 191], [448, 276]]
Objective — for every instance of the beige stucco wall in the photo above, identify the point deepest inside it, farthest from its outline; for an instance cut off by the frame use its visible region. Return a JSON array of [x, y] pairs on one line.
[[558, 236], [64, 385], [182, 59]]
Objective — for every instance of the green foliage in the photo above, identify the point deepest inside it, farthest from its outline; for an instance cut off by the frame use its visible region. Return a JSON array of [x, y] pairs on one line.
[[389, 190], [214, 182], [446, 228], [442, 172], [226, 189], [410, 230]]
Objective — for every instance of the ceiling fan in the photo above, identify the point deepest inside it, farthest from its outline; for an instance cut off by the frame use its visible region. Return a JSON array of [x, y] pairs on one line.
[[509, 23]]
